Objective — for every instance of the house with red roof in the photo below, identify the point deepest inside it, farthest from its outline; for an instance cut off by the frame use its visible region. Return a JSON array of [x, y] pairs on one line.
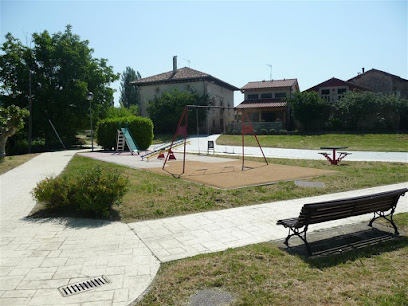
[[334, 89], [220, 93], [265, 103]]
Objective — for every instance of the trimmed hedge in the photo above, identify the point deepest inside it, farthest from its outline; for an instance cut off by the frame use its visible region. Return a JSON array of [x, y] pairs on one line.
[[140, 128]]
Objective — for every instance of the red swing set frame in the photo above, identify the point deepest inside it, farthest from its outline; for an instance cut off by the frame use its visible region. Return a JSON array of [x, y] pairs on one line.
[[247, 129]]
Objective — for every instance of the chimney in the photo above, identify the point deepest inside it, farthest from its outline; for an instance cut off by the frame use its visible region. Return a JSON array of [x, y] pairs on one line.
[[362, 69], [174, 64]]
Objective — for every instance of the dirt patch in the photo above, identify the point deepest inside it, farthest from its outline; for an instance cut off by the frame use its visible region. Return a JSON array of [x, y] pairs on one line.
[[230, 175]]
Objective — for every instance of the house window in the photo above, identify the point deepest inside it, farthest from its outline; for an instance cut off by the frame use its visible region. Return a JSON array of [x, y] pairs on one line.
[[341, 92], [253, 97], [325, 92], [266, 96], [280, 95]]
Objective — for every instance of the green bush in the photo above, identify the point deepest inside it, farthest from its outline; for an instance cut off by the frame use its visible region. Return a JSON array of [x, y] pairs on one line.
[[283, 132], [140, 128], [272, 131], [91, 194], [21, 147], [264, 132]]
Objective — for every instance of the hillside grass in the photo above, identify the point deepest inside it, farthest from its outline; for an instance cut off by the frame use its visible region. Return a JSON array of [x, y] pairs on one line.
[[354, 142]]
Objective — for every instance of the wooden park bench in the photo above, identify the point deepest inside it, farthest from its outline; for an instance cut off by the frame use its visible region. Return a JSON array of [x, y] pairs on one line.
[[381, 204]]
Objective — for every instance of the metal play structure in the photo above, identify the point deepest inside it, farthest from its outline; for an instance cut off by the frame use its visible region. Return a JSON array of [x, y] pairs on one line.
[[247, 129], [159, 151], [124, 137]]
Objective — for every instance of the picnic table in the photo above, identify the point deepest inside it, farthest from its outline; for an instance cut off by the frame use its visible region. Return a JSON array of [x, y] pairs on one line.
[[334, 160]]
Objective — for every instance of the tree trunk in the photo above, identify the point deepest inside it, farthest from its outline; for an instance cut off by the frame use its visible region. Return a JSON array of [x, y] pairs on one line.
[[3, 140]]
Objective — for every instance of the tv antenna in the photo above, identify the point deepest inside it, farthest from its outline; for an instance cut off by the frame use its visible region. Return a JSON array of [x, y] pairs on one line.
[[188, 61]]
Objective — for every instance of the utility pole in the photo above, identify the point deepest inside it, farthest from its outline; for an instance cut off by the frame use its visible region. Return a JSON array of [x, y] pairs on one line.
[[30, 118]]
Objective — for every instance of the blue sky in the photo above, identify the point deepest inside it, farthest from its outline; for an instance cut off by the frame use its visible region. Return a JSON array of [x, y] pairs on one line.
[[231, 40]]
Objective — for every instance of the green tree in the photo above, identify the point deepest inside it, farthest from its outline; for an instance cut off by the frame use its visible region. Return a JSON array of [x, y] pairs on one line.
[[165, 111], [129, 94], [62, 70], [309, 109], [115, 112], [369, 110], [11, 120]]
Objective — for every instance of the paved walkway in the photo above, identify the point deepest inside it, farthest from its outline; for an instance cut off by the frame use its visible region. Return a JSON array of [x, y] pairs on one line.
[[199, 145], [40, 255], [185, 236]]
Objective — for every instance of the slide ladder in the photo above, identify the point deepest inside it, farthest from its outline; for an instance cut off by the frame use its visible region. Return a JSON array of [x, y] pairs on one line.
[[124, 136]]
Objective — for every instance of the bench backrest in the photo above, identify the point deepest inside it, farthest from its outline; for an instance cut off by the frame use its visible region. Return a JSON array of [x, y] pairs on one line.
[[344, 208]]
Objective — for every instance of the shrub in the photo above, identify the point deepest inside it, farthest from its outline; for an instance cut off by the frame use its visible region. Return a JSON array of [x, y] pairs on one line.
[[140, 128], [283, 132], [92, 193], [21, 147], [235, 132], [264, 132], [272, 131]]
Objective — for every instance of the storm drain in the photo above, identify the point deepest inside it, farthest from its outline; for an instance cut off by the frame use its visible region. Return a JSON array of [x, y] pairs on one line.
[[83, 286]]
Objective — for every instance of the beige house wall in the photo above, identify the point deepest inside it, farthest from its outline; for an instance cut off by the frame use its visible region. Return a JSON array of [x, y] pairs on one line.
[[217, 119]]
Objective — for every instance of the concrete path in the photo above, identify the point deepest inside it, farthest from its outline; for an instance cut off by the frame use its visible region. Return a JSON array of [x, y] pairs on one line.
[[199, 145], [180, 237], [40, 255]]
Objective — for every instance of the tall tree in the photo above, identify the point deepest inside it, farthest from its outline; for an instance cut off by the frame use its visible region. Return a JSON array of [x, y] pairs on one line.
[[62, 70], [165, 111], [309, 109], [11, 120], [129, 92]]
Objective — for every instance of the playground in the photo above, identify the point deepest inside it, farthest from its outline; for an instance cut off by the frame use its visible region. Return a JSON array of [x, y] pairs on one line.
[[223, 173], [229, 174], [218, 173]]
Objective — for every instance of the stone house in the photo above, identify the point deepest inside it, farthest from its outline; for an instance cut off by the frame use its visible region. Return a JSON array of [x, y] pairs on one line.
[[265, 103], [334, 89], [220, 93], [382, 82]]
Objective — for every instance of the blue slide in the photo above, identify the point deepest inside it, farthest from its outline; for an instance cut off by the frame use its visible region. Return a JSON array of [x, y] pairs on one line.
[[129, 141]]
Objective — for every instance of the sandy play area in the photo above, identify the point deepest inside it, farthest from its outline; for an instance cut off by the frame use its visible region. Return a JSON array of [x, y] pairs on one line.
[[228, 175]]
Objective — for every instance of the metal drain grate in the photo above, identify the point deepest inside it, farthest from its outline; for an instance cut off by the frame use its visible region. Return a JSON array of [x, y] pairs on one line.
[[83, 286]]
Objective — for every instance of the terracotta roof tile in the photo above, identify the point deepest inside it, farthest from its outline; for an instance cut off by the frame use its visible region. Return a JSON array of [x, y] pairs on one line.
[[261, 104], [336, 82], [270, 84], [182, 75]]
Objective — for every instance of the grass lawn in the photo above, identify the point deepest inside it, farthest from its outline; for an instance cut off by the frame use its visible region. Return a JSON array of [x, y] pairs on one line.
[[354, 142], [14, 161], [162, 138], [152, 196], [262, 274]]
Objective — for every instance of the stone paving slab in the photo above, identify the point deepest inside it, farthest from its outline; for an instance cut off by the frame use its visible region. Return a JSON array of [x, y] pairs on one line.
[[39, 255], [185, 236]]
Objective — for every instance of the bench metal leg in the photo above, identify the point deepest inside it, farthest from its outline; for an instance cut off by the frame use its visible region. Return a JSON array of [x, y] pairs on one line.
[[296, 232], [381, 214]]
